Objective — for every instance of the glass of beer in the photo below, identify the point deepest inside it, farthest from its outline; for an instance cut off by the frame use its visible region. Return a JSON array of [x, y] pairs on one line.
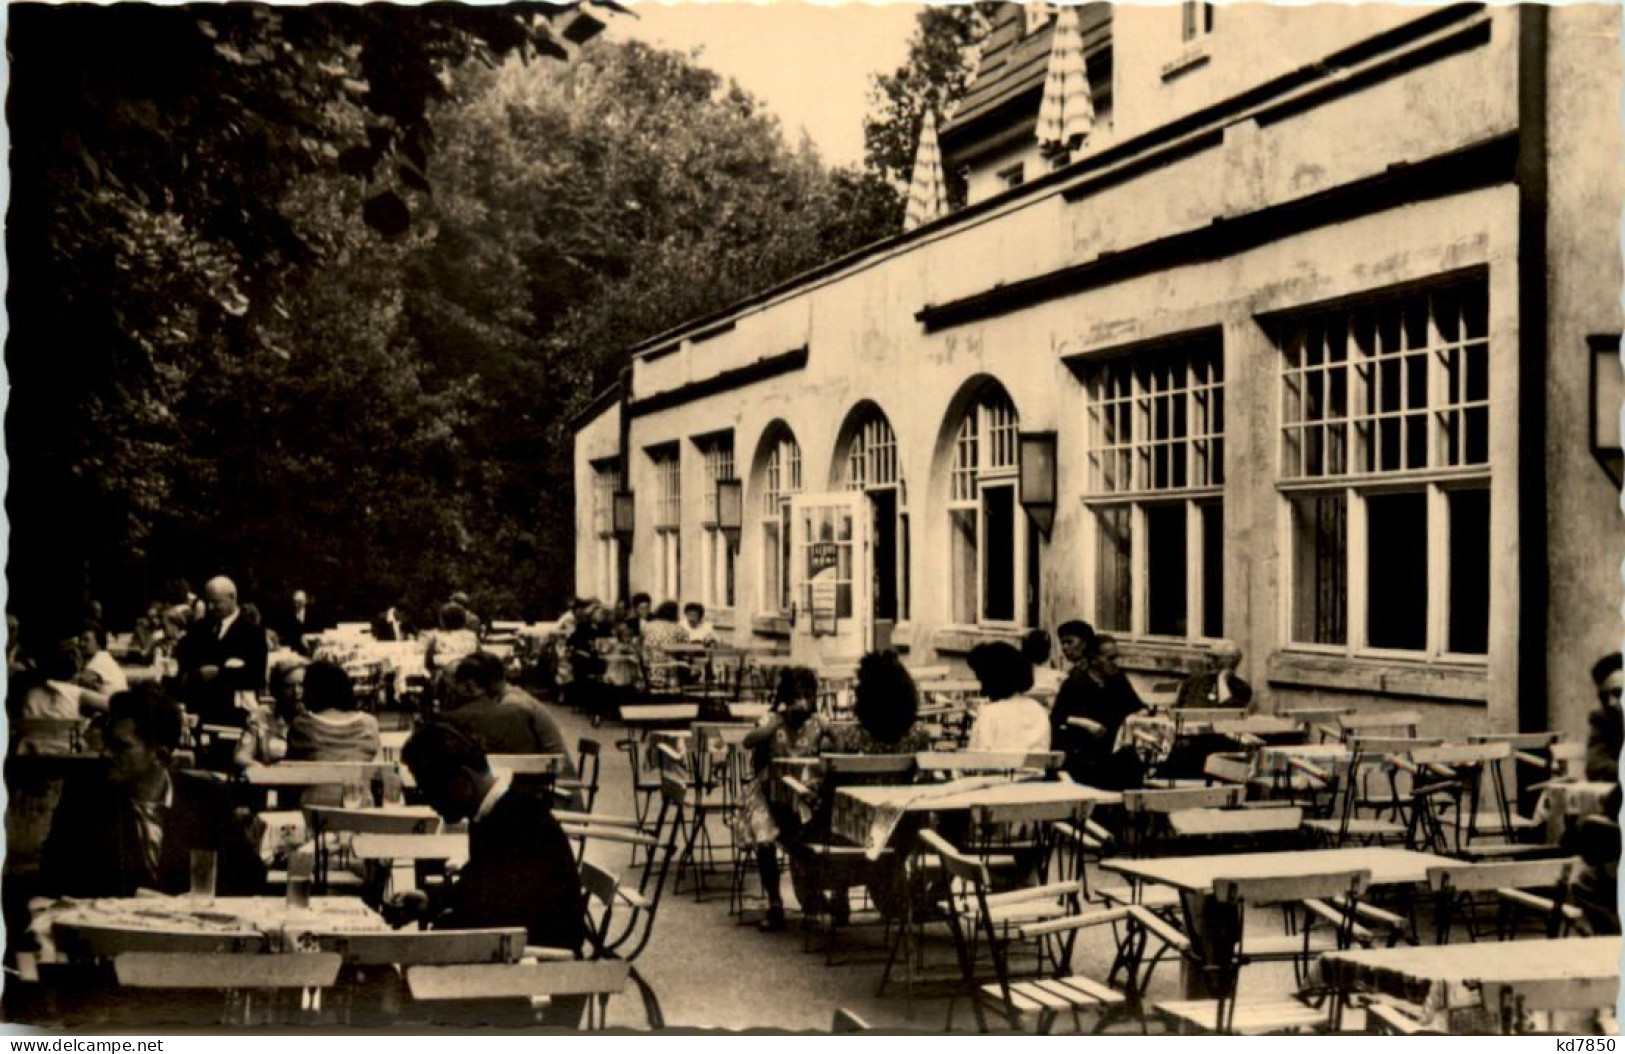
[[204, 863], [301, 868]]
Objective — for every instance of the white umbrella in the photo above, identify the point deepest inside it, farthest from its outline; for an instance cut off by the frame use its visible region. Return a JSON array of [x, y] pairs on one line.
[[927, 195], [1067, 114]]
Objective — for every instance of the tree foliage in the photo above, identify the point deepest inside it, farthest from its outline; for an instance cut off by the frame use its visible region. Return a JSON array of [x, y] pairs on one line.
[[225, 355], [942, 56]]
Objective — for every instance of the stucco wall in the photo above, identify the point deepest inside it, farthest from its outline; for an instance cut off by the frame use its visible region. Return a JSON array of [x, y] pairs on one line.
[[1587, 541]]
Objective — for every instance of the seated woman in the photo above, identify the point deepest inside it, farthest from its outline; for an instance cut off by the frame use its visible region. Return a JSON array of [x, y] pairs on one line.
[[1009, 720], [452, 641], [659, 630], [50, 694], [331, 729], [791, 729], [886, 703], [265, 736]]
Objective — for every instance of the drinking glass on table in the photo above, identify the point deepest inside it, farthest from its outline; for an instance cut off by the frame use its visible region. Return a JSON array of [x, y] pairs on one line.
[[204, 864], [355, 793], [301, 872]]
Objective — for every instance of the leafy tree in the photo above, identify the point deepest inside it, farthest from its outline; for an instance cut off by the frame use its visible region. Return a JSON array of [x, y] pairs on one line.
[[942, 55]]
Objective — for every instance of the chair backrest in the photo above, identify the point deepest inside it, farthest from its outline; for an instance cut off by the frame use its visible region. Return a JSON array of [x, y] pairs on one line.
[[517, 980], [846, 1021], [110, 941], [846, 767], [988, 760], [1284, 889], [425, 947], [599, 889], [1031, 812], [316, 773], [1256, 724], [1462, 754], [226, 970], [529, 764], [1181, 798], [1508, 874], [1389, 744], [1315, 715], [1518, 740], [1404, 721], [410, 847], [373, 821], [1208, 823], [1188, 717], [955, 863]]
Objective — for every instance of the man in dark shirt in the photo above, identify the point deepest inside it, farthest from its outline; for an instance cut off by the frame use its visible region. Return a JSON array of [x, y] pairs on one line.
[[502, 718], [1605, 731], [1089, 712], [135, 827], [520, 871]]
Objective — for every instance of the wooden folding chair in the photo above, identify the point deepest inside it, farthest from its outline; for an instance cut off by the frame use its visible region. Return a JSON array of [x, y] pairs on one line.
[[1221, 948], [596, 981], [982, 922], [239, 976], [846, 1022], [1461, 890], [1514, 1004], [331, 824], [83, 941]]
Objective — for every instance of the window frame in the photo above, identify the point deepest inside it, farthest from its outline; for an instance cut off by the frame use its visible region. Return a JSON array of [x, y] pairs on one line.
[[606, 546], [1364, 476], [1199, 360], [668, 517], [719, 554], [781, 480], [985, 454]]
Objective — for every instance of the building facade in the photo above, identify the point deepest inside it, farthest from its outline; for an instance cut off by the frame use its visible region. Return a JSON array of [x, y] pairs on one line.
[[1305, 327]]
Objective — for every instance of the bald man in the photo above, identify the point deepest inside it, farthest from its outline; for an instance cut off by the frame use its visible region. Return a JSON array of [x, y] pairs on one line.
[[222, 658], [1218, 685]]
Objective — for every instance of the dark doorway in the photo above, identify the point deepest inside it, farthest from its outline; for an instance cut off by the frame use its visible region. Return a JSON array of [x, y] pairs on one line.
[[884, 504]]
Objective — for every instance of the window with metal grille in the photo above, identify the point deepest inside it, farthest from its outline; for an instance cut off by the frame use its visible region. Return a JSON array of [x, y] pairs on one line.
[[1385, 451], [606, 480], [1155, 484], [872, 466], [718, 552]]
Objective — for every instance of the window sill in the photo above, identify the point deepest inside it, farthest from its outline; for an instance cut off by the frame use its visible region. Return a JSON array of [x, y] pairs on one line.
[[777, 626], [959, 640], [723, 619], [1196, 55], [1463, 682]]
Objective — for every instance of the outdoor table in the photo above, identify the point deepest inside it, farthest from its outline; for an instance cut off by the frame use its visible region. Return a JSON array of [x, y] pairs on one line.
[[866, 815], [1276, 759], [56, 924], [1445, 978], [1193, 877], [659, 715], [951, 686]]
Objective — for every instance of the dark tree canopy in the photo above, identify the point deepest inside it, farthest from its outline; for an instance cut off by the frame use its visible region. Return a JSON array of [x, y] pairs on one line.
[[307, 295]]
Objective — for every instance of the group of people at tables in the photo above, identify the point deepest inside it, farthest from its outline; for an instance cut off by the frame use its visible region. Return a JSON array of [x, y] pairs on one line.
[[603, 654], [1092, 699]]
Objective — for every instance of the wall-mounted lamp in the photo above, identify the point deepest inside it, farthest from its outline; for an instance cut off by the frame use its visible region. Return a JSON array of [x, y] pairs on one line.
[[1038, 478], [622, 515], [731, 507], [1607, 392]]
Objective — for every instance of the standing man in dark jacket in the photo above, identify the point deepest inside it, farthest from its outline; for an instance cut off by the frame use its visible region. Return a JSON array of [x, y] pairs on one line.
[[135, 828], [222, 656]]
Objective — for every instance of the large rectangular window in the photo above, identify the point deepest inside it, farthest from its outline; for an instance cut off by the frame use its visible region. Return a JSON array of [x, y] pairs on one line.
[[606, 481], [1385, 426], [668, 520], [1155, 465], [987, 540], [781, 478], [717, 550]]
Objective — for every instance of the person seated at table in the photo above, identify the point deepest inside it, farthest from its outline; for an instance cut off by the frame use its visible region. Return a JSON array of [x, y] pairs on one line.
[[473, 621], [390, 625], [886, 703], [135, 826], [1089, 713], [642, 604], [521, 870], [1035, 648], [1218, 685], [695, 630], [1605, 726], [101, 672], [265, 736], [620, 680], [331, 728], [502, 718], [790, 729], [661, 629], [1009, 720], [452, 641]]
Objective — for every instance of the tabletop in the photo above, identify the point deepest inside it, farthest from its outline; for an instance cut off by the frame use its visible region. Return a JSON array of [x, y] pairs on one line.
[[125, 919], [1275, 760], [1444, 977], [868, 815], [1388, 867], [656, 713]]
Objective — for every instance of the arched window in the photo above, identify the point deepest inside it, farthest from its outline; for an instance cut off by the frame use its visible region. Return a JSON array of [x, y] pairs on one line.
[[869, 463], [987, 545], [780, 478]]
